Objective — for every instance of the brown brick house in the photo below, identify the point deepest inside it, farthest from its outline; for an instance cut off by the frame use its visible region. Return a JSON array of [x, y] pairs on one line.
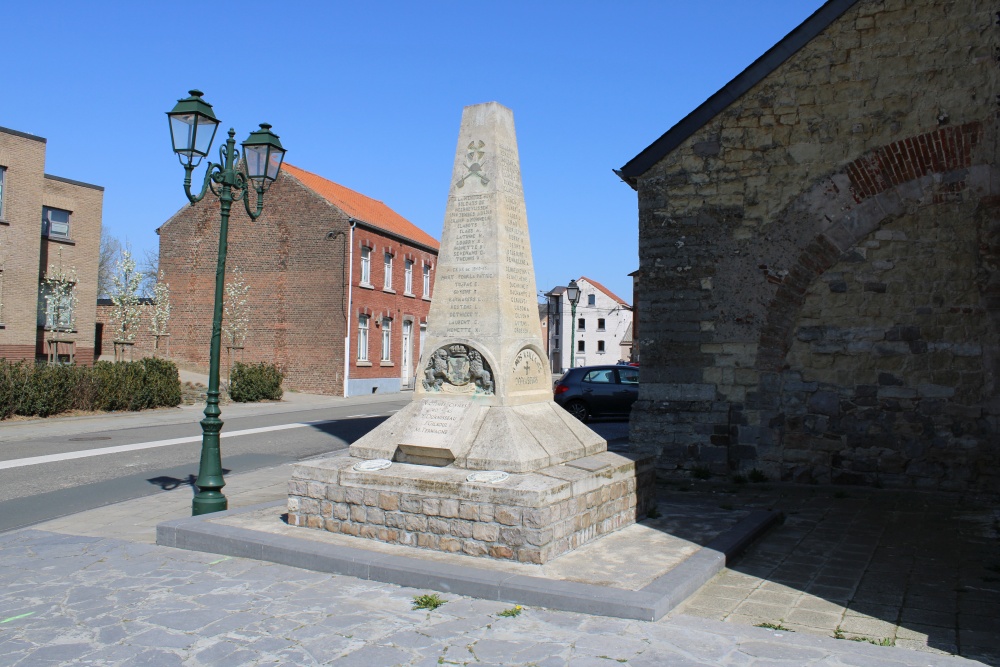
[[819, 247], [340, 285], [45, 220]]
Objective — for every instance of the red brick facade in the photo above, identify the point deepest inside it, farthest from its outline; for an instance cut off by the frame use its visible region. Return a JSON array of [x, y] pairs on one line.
[[296, 258]]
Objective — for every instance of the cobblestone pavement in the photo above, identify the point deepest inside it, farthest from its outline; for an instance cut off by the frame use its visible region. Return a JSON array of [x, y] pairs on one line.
[[916, 570], [71, 599]]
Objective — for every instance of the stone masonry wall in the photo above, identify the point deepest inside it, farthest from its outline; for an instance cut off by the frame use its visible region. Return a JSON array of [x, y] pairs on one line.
[[472, 526], [819, 263]]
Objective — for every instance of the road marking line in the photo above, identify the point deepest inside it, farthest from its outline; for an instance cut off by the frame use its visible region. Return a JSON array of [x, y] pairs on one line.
[[101, 451]]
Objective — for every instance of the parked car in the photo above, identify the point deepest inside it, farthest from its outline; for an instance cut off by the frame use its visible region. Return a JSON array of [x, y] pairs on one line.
[[598, 391]]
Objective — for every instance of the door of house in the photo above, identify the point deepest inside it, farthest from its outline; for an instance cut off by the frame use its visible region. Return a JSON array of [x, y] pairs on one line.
[[407, 348]]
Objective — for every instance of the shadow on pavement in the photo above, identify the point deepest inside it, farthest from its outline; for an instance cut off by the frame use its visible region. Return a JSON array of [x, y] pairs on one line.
[[905, 568]]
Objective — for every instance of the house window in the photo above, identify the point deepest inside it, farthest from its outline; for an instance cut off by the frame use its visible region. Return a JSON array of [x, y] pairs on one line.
[[581, 324], [363, 337], [408, 277], [600, 347], [387, 282], [427, 281], [3, 175], [600, 324], [386, 339], [366, 266], [55, 223], [55, 306], [581, 346], [591, 299]]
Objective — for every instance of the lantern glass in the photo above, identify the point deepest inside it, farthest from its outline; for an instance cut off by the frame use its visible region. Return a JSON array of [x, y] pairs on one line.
[[263, 154], [573, 292], [192, 128]]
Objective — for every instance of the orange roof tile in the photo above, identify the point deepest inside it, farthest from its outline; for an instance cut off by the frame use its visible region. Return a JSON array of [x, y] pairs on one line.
[[365, 209], [605, 290]]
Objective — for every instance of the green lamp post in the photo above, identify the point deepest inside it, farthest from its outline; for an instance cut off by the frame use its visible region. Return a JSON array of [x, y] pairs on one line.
[[573, 296], [192, 128]]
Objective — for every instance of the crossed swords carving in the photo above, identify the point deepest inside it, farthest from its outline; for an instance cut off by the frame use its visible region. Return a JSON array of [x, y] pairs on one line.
[[473, 157]]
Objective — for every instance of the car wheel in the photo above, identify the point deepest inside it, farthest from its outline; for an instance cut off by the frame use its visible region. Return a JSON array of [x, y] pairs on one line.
[[578, 410]]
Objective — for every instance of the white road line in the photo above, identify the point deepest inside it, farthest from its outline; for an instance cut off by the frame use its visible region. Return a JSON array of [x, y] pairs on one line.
[[101, 451]]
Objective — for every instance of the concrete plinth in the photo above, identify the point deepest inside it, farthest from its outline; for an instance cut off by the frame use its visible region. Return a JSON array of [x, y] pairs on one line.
[[529, 517]]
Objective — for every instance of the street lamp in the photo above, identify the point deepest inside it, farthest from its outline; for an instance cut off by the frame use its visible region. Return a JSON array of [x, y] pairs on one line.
[[573, 295], [192, 128]]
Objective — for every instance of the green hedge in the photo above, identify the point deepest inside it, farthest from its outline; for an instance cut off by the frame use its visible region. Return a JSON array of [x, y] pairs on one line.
[[41, 390], [255, 382]]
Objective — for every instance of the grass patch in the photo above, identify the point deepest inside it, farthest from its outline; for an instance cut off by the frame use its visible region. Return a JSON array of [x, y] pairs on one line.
[[513, 612], [432, 601], [756, 476], [773, 626]]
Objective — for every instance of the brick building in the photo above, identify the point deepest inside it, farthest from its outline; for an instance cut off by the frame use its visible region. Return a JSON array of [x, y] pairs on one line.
[[45, 220], [340, 285], [820, 257]]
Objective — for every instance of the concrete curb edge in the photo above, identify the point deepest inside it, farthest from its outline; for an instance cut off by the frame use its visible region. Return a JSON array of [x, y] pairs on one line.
[[648, 604]]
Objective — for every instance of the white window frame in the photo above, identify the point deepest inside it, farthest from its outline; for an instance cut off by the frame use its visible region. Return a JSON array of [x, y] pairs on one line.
[[3, 179], [386, 339], [408, 277], [48, 222], [387, 279], [427, 281], [363, 322], [366, 265]]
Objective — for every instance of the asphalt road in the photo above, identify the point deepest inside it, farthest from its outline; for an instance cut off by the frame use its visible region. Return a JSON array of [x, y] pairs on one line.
[[35, 489]]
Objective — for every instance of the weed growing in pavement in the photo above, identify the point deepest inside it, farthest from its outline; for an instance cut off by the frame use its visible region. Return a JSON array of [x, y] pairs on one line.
[[701, 472], [739, 479], [885, 641], [773, 626], [432, 601], [838, 633], [756, 476], [654, 513], [513, 612]]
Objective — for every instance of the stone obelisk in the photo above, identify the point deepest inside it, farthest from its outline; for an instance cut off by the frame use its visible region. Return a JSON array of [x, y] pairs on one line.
[[483, 399]]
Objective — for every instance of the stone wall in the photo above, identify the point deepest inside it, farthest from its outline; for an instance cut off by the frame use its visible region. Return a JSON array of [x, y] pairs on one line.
[[819, 263], [534, 519]]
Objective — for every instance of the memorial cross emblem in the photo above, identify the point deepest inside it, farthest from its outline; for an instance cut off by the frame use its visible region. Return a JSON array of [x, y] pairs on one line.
[[473, 159]]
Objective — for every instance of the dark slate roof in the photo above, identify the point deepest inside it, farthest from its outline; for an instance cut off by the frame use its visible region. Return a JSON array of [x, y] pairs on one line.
[[733, 90]]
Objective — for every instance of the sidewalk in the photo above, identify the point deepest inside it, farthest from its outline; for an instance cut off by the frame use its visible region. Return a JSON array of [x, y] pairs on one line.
[[880, 564], [93, 587]]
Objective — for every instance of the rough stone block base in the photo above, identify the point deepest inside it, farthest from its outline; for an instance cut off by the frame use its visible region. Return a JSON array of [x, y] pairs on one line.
[[530, 517]]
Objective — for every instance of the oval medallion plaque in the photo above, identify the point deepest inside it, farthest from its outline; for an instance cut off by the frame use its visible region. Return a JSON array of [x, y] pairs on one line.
[[371, 465], [487, 476]]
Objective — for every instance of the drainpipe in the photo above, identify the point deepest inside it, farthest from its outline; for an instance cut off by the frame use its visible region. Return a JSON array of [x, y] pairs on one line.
[[347, 316]]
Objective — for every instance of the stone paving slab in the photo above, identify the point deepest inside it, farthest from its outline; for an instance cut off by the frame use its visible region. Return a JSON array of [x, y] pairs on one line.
[[67, 599], [596, 579]]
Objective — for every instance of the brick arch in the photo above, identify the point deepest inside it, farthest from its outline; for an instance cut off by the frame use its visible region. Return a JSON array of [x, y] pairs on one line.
[[881, 185]]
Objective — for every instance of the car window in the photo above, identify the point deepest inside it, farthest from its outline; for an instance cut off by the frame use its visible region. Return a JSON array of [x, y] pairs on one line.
[[629, 375], [604, 376]]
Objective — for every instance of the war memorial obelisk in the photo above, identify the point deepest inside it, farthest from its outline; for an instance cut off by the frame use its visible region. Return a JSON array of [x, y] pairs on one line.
[[482, 460]]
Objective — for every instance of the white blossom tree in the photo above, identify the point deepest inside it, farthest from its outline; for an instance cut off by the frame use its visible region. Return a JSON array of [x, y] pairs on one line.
[[126, 314], [59, 303], [161, 311]]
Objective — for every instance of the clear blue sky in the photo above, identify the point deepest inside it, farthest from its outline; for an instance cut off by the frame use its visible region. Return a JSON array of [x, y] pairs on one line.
[[370, 95]]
